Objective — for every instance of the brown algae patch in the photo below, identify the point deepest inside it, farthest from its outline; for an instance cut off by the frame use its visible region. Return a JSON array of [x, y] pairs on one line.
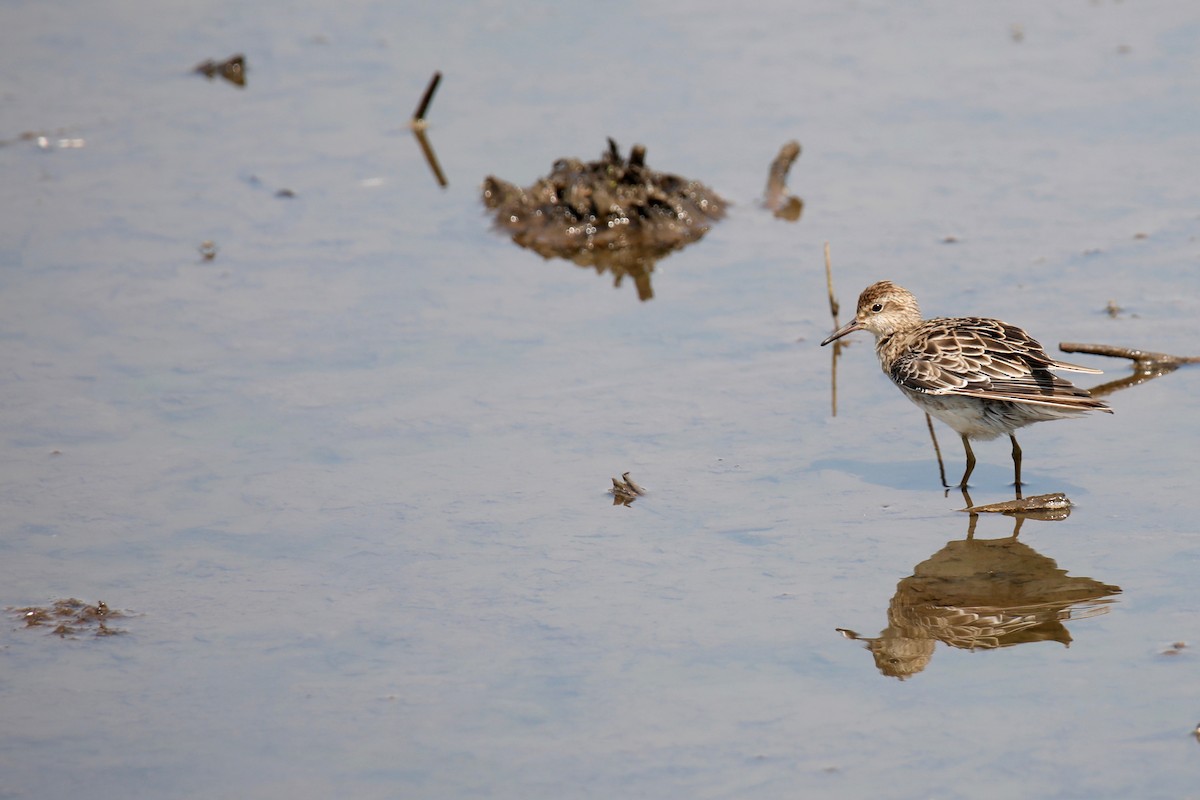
[[70, 618]]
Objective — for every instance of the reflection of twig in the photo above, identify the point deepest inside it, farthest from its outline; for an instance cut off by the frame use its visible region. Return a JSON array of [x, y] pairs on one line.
[[1142, 372], [430, 158], [427, 98], [1147, 364], [837, 351]]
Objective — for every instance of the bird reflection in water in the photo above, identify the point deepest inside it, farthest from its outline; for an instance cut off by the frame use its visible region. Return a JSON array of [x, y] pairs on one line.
[[981, 594]]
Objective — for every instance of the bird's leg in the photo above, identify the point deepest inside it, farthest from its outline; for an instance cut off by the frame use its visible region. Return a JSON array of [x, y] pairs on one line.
[[970, 461], [1016, 463], [937, 450]]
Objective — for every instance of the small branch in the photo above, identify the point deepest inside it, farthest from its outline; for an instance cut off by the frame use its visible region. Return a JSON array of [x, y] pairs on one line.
[[1133, 354], [833, 303], [427, 98]]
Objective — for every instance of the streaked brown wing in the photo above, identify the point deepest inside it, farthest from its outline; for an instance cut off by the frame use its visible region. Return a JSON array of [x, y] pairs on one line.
[[985, 358]]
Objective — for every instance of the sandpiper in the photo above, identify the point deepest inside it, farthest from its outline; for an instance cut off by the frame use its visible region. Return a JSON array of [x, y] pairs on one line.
[[982, 377]]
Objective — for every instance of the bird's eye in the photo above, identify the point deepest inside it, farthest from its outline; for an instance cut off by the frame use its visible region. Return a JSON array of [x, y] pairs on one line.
[[875, 309]]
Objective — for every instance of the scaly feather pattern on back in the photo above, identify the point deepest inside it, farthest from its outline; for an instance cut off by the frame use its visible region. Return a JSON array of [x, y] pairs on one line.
[[984, 358]]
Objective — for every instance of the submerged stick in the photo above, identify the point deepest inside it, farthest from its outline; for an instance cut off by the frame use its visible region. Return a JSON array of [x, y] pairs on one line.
[[427, 98]]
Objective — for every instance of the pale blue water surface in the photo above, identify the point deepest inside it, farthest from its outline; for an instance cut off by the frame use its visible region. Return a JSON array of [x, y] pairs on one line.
[[349, 476]]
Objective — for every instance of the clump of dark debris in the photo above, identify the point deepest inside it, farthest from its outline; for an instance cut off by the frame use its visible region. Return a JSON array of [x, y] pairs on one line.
[[614, 214], [70, 617], [232, 69]]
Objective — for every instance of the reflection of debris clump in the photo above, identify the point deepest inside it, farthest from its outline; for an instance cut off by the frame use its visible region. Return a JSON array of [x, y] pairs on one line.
[[1175, 649], [70, 617], [612, 214]]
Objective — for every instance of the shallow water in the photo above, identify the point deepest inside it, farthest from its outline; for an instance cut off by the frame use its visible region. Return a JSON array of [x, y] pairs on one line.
[[349, 476]]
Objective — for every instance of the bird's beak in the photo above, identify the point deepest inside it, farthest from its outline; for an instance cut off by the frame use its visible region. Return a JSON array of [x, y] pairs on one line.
[[850, 327]]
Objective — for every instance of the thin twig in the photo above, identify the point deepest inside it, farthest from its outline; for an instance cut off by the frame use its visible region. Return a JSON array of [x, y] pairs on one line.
[[833, 303], [837, 346], [427, 98]]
